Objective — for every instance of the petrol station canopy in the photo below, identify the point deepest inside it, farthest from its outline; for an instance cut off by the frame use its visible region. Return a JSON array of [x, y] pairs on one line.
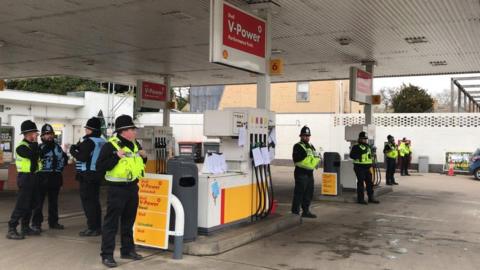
[[126, 40]]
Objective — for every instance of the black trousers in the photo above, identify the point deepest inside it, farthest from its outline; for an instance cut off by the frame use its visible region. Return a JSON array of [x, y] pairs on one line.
[[27, 198], [122, 203], [405, 165], [90, 197], [303, 192], [391, 164], [364, 177], [49, 186]]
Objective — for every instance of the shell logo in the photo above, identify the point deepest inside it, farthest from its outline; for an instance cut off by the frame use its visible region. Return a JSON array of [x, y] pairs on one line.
[[225, 54]]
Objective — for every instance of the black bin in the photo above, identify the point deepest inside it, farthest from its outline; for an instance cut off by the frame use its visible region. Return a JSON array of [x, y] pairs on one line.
[[185, 188], [331, 164]]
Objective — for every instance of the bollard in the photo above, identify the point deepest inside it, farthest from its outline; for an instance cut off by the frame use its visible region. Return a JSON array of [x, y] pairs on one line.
[[179, 228]]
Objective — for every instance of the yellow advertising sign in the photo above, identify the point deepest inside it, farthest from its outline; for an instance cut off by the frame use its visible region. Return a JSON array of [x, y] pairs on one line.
[[276, 67], [329, 184], [153, 213]]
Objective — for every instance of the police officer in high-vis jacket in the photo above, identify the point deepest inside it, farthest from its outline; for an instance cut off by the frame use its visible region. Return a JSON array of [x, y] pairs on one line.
[[86, 154], [123, 160], [306, 160], [391, 153], [361, 154], [27, 161], [53, 161]]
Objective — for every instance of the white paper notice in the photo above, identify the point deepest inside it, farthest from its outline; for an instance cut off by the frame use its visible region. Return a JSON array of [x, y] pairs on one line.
[[271, 152], [265, 155], [242, 136], [215, 164], [257, 157], [272, 137]]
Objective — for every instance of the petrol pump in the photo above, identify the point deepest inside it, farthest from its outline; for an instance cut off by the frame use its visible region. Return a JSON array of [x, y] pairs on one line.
[[159, 144], [242, 191]]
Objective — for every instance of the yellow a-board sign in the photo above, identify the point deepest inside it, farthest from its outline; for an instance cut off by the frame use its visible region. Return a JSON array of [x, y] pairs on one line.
[[153, 214], [329, 184]]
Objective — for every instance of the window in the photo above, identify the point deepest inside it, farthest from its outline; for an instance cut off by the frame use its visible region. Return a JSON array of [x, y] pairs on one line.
[[303, 91]]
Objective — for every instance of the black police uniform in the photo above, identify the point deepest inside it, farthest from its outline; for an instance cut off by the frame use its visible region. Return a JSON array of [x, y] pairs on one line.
[[28, 185], [362, 171], [304, 182], [90, 180], [51, 180], [122, 200], [391, 163]]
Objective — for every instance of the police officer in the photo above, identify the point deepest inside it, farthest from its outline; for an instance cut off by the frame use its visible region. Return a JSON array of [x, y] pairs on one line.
[[86, 153], [361, 154], [53, 161], [27, 161], [306, 160], [123, 160], [391, 153], [405, 154]]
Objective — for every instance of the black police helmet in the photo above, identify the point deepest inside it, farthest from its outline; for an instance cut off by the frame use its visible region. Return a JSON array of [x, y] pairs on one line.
[[47, 128], [28, 126], [305, 131], [124, 122], [93, 124], [362, 135]]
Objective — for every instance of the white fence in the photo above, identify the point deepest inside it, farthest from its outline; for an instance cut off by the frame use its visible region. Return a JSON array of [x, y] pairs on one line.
[[431, 134]]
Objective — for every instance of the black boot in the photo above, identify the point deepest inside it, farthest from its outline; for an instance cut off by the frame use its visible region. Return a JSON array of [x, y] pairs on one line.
[[14, 235], [372, 200], [31, 230], [308, 215], [132, 255], [109, 262], [89, 232], [57, 226]]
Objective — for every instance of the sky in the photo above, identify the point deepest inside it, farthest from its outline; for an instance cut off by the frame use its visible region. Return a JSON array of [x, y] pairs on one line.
[[433, 84]]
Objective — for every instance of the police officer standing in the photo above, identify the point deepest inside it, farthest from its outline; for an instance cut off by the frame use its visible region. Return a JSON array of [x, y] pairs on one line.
[[405, 154], [27, 161], [306, 160], [123, 160], [86, 153], [361, 154], [391, 153], [53, 161]]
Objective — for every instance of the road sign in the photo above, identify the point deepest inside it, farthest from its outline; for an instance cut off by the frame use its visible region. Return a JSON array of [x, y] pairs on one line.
[[153, 214], [237, 38]]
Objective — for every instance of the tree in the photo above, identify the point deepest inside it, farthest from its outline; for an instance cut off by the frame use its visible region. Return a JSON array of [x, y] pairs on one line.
[[443, 100], [181, 97], [412, 99], [387, 94], [54, 85]]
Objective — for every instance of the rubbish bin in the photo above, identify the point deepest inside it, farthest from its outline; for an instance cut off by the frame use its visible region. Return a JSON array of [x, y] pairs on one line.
[[331, 164], [423, 164], [185, 187]]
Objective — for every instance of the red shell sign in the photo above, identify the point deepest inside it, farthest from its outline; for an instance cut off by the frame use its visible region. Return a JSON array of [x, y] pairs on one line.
[[243, 32]]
